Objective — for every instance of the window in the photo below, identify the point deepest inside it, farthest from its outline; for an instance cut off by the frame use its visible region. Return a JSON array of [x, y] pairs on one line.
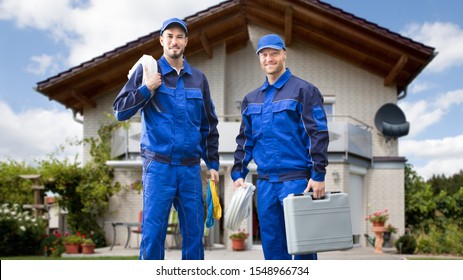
[[329, 107]]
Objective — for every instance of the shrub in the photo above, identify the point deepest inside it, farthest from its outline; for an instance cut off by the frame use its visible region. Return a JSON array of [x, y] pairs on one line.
[[448, 240], [53, 245], [88, 241], [73, 238], [21, 233], [406, 244], [240, 234]]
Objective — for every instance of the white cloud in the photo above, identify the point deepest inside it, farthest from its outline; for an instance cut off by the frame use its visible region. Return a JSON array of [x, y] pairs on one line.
[[425, 113], [91, 28], [446, 37], [446, 147], [417, 87], [439, 155], [42, 64], [35, 133]]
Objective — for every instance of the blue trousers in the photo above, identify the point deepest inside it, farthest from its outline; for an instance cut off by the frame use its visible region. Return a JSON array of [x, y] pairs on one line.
[[165, 185], [271, 217]]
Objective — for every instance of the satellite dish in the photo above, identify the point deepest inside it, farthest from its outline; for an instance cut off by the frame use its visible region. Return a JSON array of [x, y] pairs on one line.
[[391, 121]]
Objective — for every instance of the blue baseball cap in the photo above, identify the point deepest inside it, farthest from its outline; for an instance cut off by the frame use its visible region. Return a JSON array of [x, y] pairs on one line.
[[176, 21], [272, 41]]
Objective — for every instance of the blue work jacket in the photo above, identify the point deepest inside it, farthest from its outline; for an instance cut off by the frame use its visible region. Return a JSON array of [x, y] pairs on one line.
[[284, 129], [179, 123]]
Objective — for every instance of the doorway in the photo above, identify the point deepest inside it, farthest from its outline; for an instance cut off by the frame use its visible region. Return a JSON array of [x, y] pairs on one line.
[[356, 205]]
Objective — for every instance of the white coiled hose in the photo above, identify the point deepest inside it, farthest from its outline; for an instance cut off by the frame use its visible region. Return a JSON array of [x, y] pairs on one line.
[[239, 208]]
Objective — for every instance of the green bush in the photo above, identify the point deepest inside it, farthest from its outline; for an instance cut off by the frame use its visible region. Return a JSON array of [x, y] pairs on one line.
[[20, 232], [425, 245], [448, 240], [406, 244], [53, 245], [13, 188]]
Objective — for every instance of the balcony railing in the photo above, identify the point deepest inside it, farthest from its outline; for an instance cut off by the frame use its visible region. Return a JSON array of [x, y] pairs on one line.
[[350, 136], [347, 135]]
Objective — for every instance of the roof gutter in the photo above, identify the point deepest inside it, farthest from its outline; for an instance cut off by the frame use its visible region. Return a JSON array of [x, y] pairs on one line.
[[74, 117], [403, 94]]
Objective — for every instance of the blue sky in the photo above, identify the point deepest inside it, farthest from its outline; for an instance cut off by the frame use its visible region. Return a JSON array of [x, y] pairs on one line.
[[43, 38]]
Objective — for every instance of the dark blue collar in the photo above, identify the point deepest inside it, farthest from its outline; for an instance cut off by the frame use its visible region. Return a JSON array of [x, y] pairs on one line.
[[280, 82], [166, 68]]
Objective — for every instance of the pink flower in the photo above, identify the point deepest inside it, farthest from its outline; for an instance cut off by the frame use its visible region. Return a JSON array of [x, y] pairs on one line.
[[378, 216]]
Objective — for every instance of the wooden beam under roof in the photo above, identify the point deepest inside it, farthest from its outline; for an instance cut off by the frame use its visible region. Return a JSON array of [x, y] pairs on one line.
[[395, 71], [87, 101], [207, 48], [288, 26]]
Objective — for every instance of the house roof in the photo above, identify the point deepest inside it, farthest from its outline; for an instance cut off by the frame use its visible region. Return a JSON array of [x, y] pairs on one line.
[[395, 58]]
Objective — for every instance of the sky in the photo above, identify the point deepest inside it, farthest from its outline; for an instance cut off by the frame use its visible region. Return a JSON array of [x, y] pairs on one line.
[[40, 39]]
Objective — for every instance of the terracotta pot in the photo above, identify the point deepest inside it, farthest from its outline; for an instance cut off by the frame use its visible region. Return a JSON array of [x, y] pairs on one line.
[[72, 248], [238, 244], [88, 248], [378, 224]]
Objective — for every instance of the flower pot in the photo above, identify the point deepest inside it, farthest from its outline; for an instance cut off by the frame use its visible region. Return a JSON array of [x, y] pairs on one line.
[[88, 248], [378, 224], [238, 244], [72, 248], [387, 236]]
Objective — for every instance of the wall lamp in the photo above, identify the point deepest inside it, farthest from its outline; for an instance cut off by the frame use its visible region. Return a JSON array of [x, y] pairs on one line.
[[336, 176]]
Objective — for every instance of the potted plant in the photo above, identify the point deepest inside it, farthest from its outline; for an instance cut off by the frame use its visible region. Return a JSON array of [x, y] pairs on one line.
[[238, 239], [53, 245], [390, 229], [378, 218], [88, 246], [72, 243]]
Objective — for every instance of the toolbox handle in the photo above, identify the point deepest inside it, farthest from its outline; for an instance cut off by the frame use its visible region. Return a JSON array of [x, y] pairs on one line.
[[327, 194]]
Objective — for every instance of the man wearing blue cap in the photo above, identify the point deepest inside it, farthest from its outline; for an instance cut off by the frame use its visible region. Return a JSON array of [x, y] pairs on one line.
[[284, 129], [179, 127]]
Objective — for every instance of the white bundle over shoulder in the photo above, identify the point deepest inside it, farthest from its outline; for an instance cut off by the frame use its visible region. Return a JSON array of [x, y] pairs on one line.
[[145, 60], [240, 207]]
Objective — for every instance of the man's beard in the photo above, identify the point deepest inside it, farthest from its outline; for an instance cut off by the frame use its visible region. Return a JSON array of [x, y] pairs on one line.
[[174, 55]]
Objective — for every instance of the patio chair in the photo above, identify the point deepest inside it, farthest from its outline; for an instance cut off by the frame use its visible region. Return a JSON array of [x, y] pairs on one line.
[[137, 230]]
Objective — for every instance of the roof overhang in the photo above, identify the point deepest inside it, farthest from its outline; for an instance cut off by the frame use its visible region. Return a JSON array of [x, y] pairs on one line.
[[397, 59]]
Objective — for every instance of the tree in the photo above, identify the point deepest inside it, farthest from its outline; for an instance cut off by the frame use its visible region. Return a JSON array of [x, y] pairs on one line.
[[14, 189], [84, 191], [419, 199], [451, 184]]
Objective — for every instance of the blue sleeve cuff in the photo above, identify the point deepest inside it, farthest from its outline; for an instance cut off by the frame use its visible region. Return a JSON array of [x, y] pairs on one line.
[[236, 175], [145, 91], [213, 165], [319, 177]]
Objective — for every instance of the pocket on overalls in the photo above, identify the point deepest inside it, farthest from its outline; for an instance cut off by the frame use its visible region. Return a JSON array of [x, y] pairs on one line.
[[254, 112]]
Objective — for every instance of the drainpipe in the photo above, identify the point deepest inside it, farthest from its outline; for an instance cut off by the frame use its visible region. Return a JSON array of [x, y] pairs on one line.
[[74, 117], [403, 94]]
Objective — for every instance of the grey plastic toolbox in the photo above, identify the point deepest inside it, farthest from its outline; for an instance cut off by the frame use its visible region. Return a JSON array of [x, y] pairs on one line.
[[317, 225]]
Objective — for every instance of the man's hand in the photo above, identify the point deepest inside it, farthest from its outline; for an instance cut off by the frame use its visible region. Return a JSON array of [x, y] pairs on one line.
[[318, 188], [238, 183], [214, 175], [152, 80]]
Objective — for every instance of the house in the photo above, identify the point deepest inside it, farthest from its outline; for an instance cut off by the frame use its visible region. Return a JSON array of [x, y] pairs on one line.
[[362, 70]]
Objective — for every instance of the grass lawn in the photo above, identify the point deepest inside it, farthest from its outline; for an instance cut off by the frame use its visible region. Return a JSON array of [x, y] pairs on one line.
[[435, 258]]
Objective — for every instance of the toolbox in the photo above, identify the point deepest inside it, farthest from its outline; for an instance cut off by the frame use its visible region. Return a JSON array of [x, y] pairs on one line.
[[317, 225]]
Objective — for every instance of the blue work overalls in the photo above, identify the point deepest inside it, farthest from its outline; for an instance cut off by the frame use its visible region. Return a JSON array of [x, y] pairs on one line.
[[284, 129], [179, 127]]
